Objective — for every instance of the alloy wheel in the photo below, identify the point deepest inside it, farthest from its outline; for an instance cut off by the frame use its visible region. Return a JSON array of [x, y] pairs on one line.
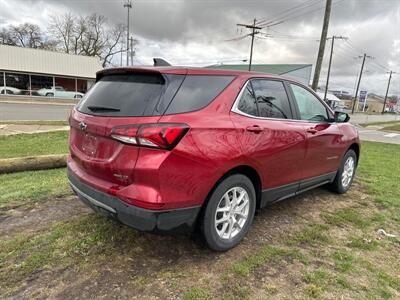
[[232, 213]]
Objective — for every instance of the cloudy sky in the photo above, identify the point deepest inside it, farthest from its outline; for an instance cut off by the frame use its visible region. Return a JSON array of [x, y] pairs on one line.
[[194, 32]]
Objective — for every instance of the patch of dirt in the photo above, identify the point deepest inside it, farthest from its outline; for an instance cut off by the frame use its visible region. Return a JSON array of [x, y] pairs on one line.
[[164, 267], [39, 216]]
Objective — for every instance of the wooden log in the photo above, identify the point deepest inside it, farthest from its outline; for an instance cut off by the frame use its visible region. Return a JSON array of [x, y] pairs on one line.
[[30, 163]]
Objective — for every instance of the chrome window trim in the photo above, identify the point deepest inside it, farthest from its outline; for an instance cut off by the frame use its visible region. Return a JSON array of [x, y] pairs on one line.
[[236, 110]]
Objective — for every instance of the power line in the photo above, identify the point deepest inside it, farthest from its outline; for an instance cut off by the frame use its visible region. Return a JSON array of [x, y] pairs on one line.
[[290, 18], [286, 16], [279, 14]]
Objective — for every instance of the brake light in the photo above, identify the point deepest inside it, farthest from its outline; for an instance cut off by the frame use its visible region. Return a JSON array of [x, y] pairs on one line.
[[161, 135]]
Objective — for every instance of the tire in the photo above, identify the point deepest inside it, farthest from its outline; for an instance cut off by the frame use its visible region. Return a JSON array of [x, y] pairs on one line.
[[235, 184], [49, 95], [339, 184]]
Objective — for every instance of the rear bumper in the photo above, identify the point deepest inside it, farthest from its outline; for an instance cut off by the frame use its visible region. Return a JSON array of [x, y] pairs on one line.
[[170, 221]]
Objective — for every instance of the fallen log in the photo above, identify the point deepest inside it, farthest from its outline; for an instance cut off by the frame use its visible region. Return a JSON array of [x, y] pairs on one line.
[[31, 163]]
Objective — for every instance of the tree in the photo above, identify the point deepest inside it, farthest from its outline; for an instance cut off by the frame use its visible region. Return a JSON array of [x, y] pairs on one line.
[[25, 35], [87, 35]]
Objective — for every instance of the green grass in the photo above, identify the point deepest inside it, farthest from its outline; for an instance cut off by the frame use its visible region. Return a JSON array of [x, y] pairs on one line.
[[343, 260], [73, 243], [312, 234], [346, 216], [379, 169], [34, 144], [267, 253], [50, 122], [27, 187], [196, 293]]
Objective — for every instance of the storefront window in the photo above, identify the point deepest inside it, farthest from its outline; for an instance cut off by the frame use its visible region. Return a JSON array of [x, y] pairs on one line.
[[17, 84], [41, 85], [81, 86], [65, 88], [2, 88]]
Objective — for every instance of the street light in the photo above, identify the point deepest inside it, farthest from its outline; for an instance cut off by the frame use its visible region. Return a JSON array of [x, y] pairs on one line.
[[128, 5]]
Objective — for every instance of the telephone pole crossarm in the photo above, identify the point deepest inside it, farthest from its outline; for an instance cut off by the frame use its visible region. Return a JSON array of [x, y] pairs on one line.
[[253, 27]]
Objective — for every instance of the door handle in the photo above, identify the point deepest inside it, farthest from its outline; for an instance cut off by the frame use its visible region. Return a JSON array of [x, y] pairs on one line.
[[254, 128], [312, 130]]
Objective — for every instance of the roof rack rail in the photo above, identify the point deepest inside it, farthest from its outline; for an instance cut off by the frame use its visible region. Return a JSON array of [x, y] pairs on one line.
[[159, 62]]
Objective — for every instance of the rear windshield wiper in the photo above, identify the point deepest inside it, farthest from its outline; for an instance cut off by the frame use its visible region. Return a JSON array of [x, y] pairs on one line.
[[102, 108]]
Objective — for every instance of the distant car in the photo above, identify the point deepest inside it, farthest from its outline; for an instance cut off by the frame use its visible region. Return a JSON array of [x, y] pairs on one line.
[[60, 92], [9, 90]]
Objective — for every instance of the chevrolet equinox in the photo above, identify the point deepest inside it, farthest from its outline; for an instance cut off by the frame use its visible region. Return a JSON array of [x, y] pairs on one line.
[[167, 149]]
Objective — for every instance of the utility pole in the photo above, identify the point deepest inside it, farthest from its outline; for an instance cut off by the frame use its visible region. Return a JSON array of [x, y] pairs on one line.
[[254, 31], [322, 42], [121, 58], [128, 5], [132, 52], [330, 62], [359, 80], [387, 90]]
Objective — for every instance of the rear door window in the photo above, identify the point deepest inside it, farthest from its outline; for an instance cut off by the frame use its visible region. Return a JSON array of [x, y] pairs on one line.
[[197, 91], [272, 100], [247, 102]]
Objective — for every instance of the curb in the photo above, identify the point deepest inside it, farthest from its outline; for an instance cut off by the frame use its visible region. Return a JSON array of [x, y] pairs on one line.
[[32, 163], [65, 128], [36, 102]]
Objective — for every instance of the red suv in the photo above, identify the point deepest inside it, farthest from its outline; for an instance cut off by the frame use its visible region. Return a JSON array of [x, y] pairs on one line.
[[169, 149]]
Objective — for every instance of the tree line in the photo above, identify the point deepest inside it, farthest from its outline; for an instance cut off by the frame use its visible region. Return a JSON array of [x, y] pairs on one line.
[[89, 35]]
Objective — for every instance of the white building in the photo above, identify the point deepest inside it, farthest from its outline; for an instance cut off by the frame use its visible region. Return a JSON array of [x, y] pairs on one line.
[[37, 72]]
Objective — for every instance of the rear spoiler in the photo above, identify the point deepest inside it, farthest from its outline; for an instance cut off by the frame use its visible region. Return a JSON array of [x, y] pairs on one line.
[[159, 62]]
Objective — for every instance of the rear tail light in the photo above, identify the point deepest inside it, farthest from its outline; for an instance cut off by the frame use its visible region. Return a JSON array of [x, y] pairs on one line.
[[161, 135]]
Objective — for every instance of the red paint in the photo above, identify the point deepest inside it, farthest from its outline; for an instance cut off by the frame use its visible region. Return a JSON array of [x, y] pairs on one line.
[[218, 140]]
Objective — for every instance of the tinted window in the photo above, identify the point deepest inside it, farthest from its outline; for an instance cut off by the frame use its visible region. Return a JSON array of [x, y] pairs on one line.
[[247, 102], [124, 95], [196, 92], [311, 109], [272, 99]]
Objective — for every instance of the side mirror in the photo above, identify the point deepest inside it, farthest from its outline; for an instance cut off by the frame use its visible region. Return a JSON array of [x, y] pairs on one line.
[[341, 117]]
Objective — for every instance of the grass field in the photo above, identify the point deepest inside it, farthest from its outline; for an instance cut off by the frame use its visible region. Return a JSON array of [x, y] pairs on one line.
[[34, 144], [318, 245]]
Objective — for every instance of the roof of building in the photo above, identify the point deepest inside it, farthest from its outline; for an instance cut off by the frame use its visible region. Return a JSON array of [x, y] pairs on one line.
[[279, 69], [41, 61]]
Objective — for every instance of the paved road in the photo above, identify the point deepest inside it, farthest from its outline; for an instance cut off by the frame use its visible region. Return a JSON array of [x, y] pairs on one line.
[[29, 111], [378, 136]]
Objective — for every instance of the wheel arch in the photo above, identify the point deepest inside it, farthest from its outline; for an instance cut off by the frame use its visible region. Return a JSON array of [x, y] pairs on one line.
[[246, 170], [356, 148]]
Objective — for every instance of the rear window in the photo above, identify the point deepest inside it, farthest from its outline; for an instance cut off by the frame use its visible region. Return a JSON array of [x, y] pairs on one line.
[[135, 95], [197, 91], [123, 95]]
